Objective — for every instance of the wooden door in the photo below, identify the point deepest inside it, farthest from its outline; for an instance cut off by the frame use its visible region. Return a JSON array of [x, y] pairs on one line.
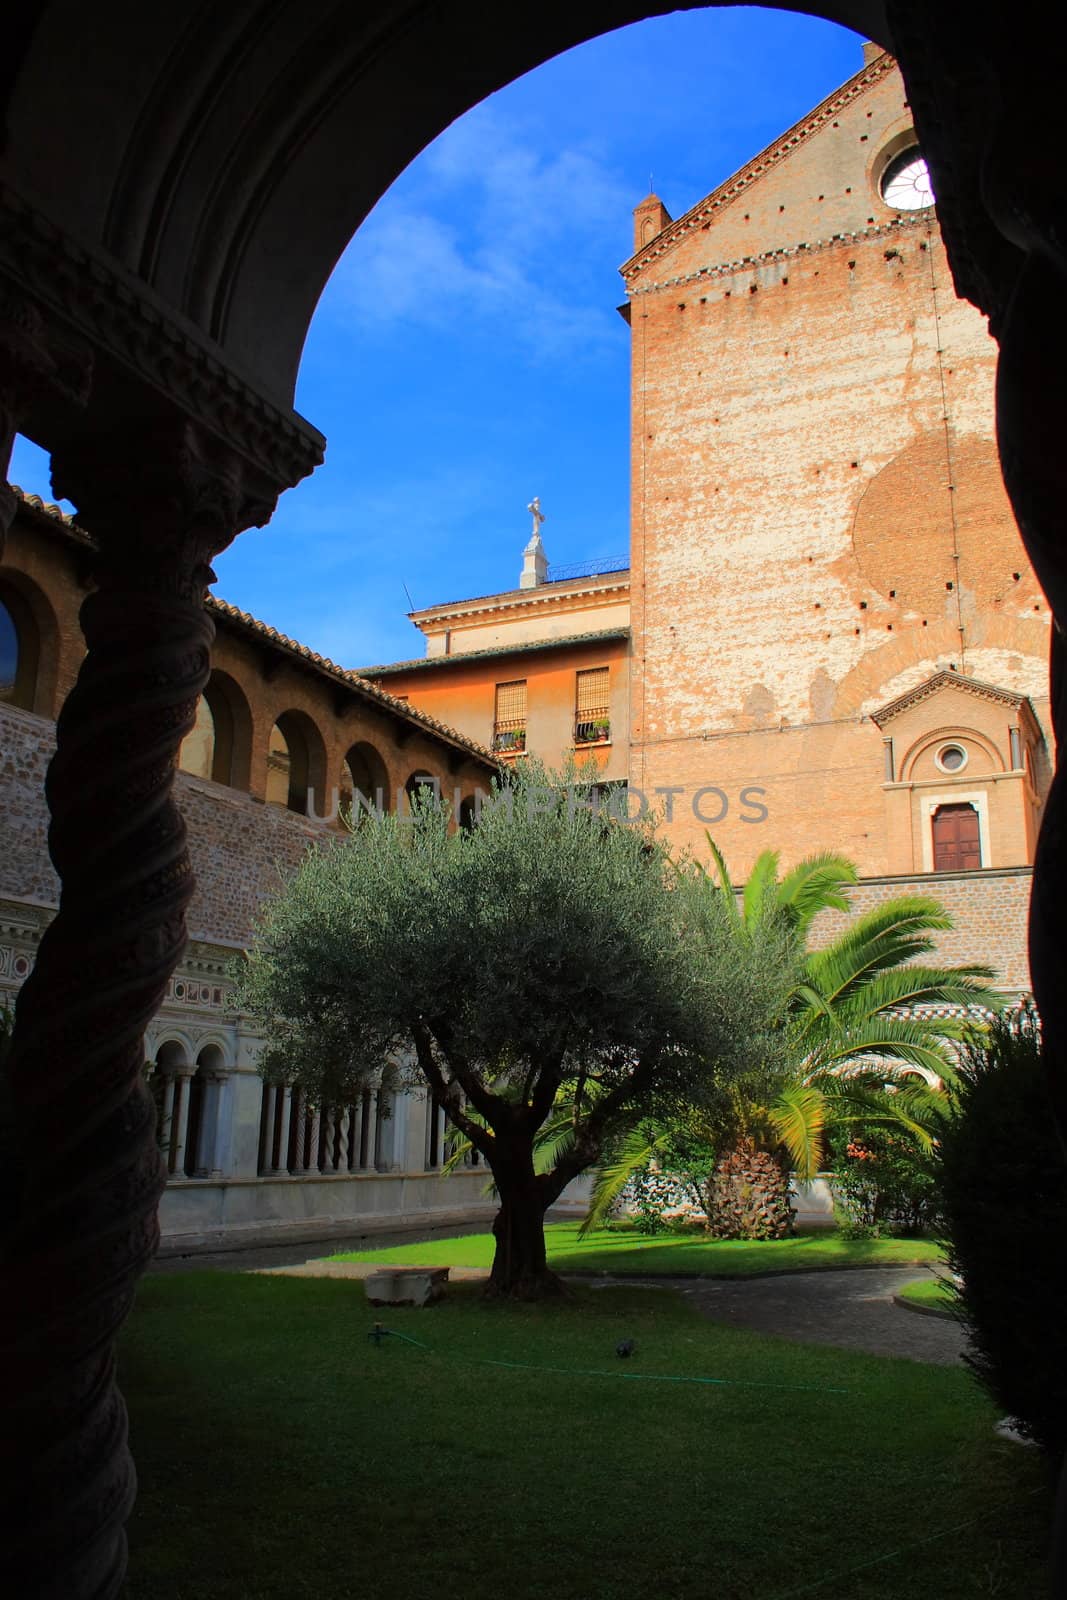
[[957, 843]]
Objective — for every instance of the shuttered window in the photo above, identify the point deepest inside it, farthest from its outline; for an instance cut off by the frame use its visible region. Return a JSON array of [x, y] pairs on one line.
[[511, 701], [592, 694], [592, 706], [509, 725]]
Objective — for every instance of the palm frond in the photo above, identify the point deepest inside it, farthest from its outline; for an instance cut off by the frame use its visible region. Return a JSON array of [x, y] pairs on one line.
[[798, 1117], [725, 885], [634, 1152], [818, 883], [882, 1038], [760, 891], [887, 936]]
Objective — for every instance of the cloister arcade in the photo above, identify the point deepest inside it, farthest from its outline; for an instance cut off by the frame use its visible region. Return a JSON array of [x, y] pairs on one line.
[[162, 253]]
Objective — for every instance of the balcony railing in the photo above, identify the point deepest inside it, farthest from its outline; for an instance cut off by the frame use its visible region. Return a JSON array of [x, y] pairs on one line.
[[592, 727], [509, 737]]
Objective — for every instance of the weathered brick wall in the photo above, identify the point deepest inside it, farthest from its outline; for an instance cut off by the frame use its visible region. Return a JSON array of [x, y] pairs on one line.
[[241, 848], [989, 910], [817, 504], [26, 746]]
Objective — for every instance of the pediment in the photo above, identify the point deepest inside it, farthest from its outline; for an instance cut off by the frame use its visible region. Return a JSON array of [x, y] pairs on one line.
[[810, 185], [950, 684]]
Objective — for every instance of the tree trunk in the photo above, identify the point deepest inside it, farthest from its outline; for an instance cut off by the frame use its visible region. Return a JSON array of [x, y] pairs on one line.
[[748, 1195], [520, 1269]]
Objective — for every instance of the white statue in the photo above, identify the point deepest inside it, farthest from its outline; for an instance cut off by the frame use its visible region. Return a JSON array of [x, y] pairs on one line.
[[538, 515]]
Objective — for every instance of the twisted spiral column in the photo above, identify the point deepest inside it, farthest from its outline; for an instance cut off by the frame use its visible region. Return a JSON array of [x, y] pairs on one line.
[[84, 1224]]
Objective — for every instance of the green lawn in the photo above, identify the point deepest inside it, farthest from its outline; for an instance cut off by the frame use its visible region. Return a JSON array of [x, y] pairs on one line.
[[933, 1294], [670, 1255], [282, 1455]]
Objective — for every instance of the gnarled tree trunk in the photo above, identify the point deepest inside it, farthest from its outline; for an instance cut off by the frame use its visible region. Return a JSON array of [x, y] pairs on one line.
[[520, 1268]]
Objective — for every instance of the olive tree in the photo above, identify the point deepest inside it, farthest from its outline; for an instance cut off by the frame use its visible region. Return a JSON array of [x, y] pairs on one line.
[[545, 959]]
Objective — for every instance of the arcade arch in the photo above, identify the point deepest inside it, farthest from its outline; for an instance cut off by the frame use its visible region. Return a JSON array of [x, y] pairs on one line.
[[219, 746], [29, 637], [364, 784], [296, 764]]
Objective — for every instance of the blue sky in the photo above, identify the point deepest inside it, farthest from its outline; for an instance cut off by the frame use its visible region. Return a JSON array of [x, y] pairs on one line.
[[467, 353]]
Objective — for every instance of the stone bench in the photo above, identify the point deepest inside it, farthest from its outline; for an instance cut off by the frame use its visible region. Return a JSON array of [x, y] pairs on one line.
[[405, 1286]]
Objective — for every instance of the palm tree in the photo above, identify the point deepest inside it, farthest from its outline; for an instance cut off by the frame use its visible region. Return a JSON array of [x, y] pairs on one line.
[[864, 1013]]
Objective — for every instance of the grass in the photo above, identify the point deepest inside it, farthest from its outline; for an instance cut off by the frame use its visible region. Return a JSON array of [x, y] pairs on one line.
[[283, 1456], [625, 1252], [932, 1294]]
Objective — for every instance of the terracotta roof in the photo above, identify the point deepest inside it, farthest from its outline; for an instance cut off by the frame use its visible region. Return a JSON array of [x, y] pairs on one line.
[[262, 630], [774, 153], [457, 660], [949, 680]]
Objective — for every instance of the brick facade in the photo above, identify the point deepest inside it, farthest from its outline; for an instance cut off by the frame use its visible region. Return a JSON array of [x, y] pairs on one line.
[[818, 519]]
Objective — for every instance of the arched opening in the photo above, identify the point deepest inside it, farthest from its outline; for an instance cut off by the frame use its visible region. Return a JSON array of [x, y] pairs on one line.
[[20, 647], [170, 1089], [218, 746], [296, 764], [422, 789], [364, 786], [202, 1144], [197, 754]]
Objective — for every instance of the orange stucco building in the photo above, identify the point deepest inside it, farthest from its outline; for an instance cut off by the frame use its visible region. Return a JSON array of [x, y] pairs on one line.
[[541, 669]]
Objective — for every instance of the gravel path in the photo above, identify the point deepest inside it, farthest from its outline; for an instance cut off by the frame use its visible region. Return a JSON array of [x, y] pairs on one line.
[[852, 1309]]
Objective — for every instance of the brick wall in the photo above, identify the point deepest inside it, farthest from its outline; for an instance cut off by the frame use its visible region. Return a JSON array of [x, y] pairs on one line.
[[241, 848], [817, 504], [989, 910]]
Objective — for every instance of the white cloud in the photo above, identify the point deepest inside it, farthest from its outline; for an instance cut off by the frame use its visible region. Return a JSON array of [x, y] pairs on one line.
[[488, 227]]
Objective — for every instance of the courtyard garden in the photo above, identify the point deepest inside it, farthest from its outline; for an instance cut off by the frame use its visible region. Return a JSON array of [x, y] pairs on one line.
[[694, 1253], [480, 1448]]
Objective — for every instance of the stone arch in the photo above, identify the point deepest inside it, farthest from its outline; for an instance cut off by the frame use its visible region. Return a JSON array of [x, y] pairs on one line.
[[296, 764], [420, 780], [220, 746], [29, 645], [364, 780]]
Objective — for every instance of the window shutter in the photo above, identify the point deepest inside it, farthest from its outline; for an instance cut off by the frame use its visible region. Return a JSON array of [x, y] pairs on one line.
[[511, 701], [592, 692]]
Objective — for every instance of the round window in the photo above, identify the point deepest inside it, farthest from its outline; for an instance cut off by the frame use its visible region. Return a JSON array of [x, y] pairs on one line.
[[951, 758], [906, 181]]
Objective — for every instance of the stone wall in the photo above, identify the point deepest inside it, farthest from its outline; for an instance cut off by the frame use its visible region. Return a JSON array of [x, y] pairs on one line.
[[989, 910], [242, 849]]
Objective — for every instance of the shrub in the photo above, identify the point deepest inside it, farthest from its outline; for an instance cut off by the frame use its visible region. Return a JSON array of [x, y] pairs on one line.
[[1001, 1176], [882, 1183]]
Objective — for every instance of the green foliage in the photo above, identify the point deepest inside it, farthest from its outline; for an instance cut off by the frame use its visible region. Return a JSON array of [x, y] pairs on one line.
[[848, 1030], [882, 1181], [543, 965], [1001, 1175]]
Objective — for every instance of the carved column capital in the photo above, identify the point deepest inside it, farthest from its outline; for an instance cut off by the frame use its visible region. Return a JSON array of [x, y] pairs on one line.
[[162, 501], [29, 364]]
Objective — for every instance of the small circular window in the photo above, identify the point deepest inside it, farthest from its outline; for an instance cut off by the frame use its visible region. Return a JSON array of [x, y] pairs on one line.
[[906, 182], [951, 758]]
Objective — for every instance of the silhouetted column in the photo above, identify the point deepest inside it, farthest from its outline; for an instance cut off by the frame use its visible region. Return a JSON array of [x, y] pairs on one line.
[[82, 1222]]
